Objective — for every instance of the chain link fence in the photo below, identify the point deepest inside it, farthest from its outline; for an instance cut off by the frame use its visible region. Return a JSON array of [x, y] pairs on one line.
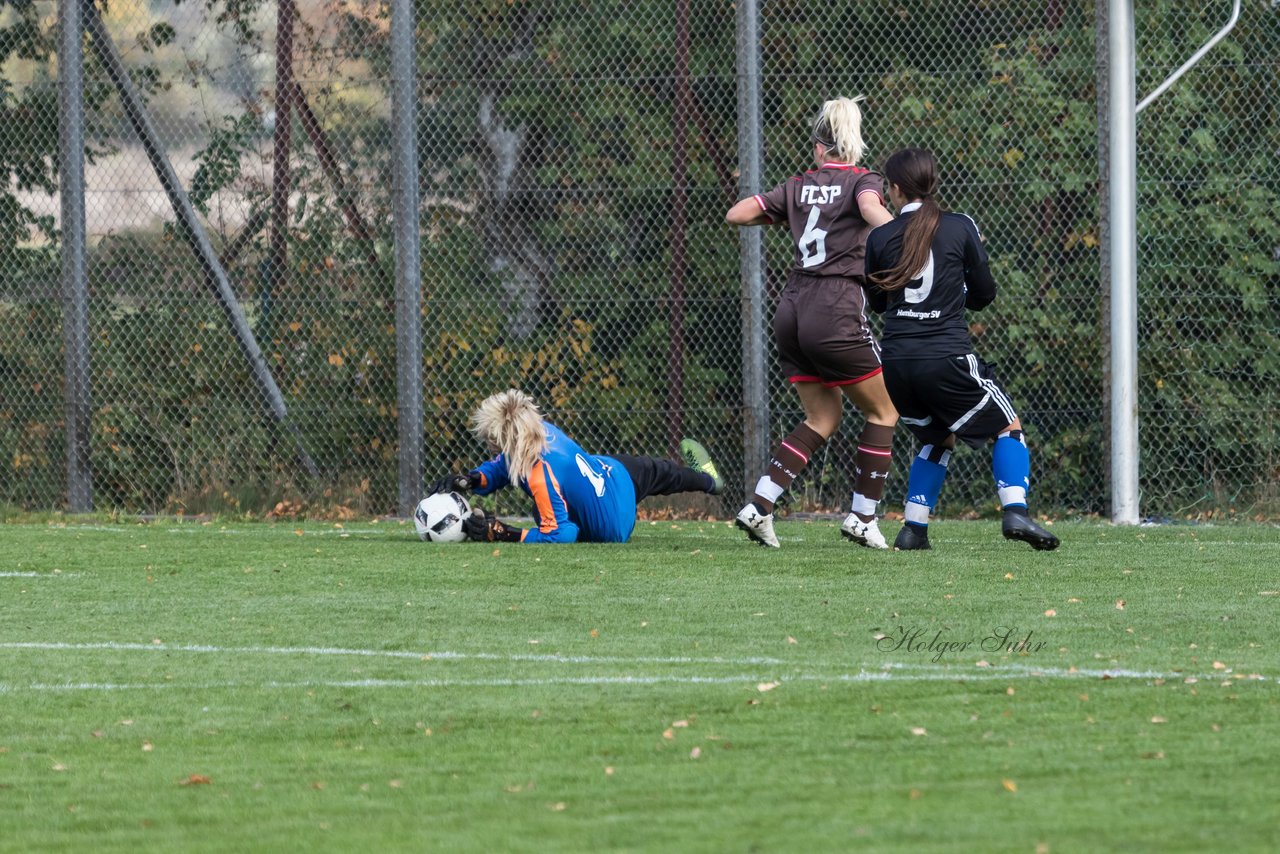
[[575, 160]]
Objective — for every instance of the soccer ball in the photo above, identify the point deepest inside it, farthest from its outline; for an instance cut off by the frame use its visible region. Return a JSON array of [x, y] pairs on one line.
[[438, 518]]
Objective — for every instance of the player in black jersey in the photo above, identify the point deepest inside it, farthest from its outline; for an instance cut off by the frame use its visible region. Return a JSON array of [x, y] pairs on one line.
[[925, 269], [820, 325]]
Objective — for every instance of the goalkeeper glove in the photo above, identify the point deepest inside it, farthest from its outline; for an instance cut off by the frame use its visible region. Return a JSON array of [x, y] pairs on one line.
[[456, 483], [484, 529]]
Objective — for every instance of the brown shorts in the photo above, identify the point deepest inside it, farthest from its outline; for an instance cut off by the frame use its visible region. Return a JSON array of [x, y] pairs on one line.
[[820, 327]]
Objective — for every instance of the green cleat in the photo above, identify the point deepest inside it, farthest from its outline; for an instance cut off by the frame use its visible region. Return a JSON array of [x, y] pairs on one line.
[[696, 457]]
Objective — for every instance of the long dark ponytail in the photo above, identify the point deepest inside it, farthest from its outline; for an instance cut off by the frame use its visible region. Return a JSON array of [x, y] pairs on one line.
[[915, 171]]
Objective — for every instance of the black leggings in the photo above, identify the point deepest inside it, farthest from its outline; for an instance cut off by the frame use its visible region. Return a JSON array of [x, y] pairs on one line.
[[653, 476]]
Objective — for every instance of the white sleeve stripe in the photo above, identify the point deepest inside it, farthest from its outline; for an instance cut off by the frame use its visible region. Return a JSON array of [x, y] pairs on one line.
[[974, 223]]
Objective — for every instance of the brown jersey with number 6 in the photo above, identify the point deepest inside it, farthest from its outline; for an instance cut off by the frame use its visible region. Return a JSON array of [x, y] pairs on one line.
[[821, 209]]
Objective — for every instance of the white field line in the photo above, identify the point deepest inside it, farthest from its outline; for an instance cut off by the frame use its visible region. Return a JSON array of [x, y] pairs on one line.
[[884, 672], [437, 655], [37, 574], [742, 679], [393, 529]]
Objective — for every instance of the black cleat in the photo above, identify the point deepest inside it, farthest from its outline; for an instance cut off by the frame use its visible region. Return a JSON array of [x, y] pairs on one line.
[[1019, 526], [911, 538]]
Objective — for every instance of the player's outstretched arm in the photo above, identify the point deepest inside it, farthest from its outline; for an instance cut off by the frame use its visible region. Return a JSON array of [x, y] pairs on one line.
[[490, 476], [747, 212]]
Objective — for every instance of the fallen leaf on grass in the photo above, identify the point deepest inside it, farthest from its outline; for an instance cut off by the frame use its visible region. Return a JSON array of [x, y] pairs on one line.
[[559, 806], [680, 724], [915, 794], [1009, 785], [147, 747], [201, 780], [1159, 754], [1119, 604], [1218, 665], [767, 686], [608, 770], [395, 784], [695, 753], [790, 639], [1051, 613], [919, 730]]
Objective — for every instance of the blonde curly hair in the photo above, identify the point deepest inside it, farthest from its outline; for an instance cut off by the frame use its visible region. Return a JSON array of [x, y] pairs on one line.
[[511, 422]]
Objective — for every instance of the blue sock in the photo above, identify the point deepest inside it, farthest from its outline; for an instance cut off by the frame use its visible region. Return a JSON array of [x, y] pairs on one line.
[[1011, 465], [924, 484]]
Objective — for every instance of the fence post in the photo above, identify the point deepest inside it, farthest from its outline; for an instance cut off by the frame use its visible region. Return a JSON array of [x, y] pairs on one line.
[[755, 392], [282, 139], [1122, 198], [75, 289], [404, 121], [1103, 100], [679, 227]]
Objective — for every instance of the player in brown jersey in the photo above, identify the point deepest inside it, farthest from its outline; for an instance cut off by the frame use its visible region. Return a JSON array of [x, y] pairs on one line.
[[824, 341]]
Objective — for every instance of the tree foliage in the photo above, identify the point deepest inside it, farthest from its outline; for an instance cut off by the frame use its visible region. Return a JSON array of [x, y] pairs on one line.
[[554, 257]]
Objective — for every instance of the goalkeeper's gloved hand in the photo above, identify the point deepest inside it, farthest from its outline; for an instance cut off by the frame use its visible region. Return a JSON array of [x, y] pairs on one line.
[[456, 483], [489, 529]]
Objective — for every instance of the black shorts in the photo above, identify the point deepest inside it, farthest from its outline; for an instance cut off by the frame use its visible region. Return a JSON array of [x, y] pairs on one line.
[[820, 327], [958, 394]]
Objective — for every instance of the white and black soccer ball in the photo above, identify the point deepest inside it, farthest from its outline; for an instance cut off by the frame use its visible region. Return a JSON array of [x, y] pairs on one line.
[[438, 518]]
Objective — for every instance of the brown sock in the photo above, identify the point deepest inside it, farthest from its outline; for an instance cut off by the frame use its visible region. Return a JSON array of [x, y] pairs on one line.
[[875, 453], [792, 455]]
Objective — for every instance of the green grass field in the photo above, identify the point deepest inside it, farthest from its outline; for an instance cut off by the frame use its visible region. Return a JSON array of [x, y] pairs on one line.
[[253, 687]]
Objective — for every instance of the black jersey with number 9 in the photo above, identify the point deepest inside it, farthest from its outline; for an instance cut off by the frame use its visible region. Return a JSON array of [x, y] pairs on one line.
[[926, 319]]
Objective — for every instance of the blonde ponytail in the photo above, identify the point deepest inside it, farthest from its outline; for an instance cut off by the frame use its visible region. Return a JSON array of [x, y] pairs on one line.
[[838, 128], [510, 421]]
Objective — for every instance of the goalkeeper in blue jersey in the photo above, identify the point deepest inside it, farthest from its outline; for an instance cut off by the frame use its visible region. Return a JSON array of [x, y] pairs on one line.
[[576, 496]]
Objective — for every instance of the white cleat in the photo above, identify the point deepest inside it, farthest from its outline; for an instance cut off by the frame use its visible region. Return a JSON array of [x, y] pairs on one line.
[[759, 526], [863, 533]]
